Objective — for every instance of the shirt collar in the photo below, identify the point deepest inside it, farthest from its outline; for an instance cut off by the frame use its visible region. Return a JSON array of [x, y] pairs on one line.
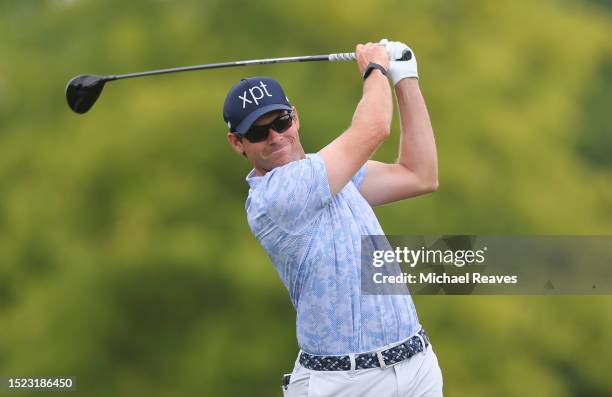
[[252, 179]]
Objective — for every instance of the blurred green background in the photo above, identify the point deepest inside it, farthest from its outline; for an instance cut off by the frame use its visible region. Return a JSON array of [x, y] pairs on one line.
[[125, 255]]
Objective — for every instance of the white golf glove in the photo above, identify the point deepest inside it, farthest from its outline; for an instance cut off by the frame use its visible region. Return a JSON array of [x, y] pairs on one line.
[[399, 70]]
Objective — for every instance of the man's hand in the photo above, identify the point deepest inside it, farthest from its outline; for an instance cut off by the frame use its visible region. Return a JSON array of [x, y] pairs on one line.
[[371, 53], [399, 70]]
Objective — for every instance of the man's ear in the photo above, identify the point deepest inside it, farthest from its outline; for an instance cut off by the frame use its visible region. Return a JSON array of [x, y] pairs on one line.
[[236, 143]]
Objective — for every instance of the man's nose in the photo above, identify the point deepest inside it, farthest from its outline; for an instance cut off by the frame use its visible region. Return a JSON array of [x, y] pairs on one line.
[[273, 135]]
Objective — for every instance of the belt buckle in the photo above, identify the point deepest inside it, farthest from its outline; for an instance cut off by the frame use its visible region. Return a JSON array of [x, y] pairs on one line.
[[285, 380], [381, 360]]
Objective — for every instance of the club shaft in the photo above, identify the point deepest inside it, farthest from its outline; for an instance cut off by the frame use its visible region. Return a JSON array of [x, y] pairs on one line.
[[347, 56]]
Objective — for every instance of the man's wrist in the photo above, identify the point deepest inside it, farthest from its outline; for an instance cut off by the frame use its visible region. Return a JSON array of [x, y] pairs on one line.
[[372, 66], [407, 82]]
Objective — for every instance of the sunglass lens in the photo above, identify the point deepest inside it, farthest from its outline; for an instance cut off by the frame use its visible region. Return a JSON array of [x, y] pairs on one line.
[[257, 134], [282, 123]]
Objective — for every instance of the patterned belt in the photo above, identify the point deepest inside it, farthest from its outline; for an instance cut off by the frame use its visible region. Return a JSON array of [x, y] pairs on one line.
[[383, 359]]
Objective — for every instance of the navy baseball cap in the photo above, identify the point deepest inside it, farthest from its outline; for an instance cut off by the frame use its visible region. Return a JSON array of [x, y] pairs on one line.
[[250, 99]]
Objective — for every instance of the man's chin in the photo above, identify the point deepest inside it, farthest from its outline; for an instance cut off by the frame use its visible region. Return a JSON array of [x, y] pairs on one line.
[[280, 161]]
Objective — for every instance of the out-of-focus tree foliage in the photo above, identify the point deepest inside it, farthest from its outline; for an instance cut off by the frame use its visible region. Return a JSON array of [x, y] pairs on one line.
[[125, 256]]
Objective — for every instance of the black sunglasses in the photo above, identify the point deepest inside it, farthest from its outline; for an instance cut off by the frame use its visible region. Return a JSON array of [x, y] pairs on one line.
[[259, 133]]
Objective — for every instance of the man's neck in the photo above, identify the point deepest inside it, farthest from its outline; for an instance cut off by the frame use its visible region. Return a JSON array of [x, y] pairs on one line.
[[260, 172], [263, 171]]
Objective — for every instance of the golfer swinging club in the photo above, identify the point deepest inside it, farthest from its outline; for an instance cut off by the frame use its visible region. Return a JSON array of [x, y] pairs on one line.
[[310, 211]]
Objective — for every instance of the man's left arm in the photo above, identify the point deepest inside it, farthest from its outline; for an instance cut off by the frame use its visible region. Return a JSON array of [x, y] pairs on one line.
[[416, 170]]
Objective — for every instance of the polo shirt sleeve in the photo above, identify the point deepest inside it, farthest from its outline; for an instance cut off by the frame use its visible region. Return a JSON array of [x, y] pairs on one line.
[[296, 193], [357, 179]]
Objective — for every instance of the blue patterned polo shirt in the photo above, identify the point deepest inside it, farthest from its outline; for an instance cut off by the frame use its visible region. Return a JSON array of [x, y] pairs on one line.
[[314, 241]]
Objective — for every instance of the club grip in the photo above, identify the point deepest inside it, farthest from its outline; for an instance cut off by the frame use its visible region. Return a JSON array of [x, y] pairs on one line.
[[343, 56], [350, 56]]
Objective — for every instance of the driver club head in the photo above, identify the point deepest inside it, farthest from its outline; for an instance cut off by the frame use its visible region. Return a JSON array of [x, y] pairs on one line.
[[83, 91]]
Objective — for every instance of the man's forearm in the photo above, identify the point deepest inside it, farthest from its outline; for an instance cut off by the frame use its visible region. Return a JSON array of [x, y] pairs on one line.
[[375, 109], [417, 144]]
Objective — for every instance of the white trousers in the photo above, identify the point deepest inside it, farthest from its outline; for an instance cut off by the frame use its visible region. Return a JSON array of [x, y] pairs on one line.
[[418, 376]]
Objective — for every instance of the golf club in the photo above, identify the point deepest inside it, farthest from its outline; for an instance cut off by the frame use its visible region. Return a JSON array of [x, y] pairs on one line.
[[82, 91]]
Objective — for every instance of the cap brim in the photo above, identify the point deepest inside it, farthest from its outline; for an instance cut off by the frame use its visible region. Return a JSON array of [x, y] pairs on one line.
[[244, 126]]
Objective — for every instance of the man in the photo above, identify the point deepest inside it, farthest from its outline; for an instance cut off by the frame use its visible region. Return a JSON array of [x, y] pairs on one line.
[[310, 211]]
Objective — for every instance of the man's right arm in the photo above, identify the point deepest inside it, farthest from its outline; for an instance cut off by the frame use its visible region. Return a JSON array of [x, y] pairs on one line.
[[370, 126]]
